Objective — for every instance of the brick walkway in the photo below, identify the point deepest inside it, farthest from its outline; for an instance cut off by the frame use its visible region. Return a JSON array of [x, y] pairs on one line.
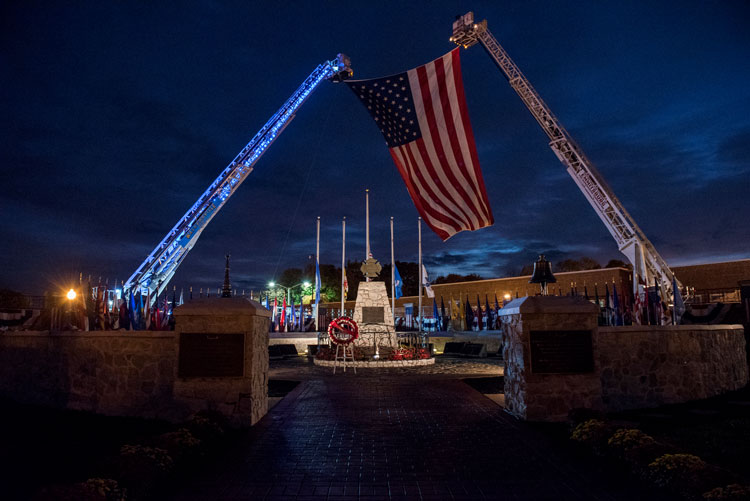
[[376, 436]]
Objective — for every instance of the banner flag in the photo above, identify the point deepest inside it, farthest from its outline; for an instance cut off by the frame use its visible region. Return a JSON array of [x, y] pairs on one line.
[[317, 282], [426, 283], [423, 116], [398, 283], [679, 305]]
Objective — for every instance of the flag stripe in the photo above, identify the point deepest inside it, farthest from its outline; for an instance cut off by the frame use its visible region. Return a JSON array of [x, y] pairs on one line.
[[448, 130], [468, 133], [430, 210], [443, 233], [434, 147]]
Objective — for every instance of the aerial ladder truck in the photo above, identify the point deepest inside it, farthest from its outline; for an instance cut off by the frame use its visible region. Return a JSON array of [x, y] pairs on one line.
[[153, 275], [648, 266]]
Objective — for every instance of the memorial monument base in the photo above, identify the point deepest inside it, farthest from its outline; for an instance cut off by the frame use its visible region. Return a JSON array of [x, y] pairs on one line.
[[548, 346], [373, 315]]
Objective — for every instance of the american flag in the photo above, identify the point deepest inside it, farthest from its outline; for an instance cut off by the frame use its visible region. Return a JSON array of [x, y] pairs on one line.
[[423, 116]]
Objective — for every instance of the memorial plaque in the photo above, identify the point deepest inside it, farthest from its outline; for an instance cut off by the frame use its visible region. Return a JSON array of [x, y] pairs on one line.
[[561, 352], [373, 315], [211, 355]]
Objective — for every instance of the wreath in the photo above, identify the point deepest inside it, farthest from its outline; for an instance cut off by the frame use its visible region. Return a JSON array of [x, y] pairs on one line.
[[343, 331]]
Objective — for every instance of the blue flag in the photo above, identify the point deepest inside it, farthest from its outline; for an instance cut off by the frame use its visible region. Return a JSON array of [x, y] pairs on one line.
[[133, 312], [317, 282], [435, 314], [397, 282], [268, 306], [616, 306]]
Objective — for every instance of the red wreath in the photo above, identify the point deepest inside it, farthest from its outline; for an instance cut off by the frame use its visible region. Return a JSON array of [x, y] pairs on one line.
[[343, 330]]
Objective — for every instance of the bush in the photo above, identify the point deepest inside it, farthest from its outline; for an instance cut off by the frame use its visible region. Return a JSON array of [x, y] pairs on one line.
[[181, 444], [93, 489], [592, 433], [207, 426], [140, 468], [685, 474], [733, 492]]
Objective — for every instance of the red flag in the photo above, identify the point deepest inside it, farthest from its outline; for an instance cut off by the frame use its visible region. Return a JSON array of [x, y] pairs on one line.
[[423, 116], [282, 323], [273, 315]]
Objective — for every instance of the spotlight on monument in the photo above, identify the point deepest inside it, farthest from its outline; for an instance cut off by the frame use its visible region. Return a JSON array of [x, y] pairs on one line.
[[542, 274]]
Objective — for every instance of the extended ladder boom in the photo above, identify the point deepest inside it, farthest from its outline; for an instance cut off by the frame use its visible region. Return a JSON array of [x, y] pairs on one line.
[[154, 273], [647, 263]]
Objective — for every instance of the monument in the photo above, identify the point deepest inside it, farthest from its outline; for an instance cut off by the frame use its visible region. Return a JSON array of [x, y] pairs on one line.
[[372, 311]]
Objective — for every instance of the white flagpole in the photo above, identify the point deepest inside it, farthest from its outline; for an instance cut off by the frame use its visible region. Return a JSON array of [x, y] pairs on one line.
[[393, 278], [317, 265], [343, 263], [367, 227], [419, 232]]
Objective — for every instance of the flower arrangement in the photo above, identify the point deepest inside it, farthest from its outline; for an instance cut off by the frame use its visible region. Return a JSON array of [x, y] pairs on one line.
[[180, 444], [107, 488], [409, 354], [681, 473], [153, 456]]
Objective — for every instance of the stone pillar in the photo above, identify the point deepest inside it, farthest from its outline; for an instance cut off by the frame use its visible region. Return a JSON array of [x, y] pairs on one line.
[[548, 346], [374, 317], [223, 357]]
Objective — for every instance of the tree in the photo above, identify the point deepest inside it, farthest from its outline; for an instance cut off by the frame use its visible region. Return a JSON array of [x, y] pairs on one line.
[[452, 278], [13, 299], [616, 263], [584, 263]]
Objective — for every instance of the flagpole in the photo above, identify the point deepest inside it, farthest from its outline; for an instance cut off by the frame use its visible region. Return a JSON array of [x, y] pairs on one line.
[[317, 263], [343, 263], [419, 232], [367, 227], [393, 278]]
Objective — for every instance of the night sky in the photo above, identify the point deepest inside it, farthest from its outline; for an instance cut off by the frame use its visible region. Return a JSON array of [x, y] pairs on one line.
[[116, 116]]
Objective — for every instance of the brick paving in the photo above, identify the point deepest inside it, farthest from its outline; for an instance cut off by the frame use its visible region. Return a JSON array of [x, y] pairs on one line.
[[398, 435]]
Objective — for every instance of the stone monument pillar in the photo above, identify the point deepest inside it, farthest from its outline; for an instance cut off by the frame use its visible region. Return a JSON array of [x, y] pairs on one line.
[[373, 315], [223, 357], [548, 346]]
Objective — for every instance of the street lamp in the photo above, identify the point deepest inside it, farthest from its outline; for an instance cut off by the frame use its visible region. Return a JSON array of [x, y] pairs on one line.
[[305, 284]]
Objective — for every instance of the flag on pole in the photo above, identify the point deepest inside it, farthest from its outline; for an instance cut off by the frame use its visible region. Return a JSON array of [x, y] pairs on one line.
[[317, 283], [282, 322], [616, 305], [442, 315], [488, 312], [435, 314], [426, 283], [679, 305], [479, 314], [469, 315], [423, 116], [398, 283]]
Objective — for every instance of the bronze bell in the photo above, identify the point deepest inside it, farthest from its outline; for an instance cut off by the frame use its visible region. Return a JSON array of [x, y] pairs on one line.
[[542, 274]]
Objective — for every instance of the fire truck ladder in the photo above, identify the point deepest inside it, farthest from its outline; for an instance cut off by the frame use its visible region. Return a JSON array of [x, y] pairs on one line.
[[648, 265], [154, 274]]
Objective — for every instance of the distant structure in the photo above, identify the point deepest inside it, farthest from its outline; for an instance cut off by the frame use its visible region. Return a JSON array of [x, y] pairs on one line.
[[226, 290]]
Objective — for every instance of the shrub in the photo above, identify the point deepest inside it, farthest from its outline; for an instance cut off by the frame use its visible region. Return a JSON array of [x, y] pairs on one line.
[[685, 474], [93, 489], [207, 426], [107, 488], [140, 468], [180, 444], [592, 433], [733, 492]]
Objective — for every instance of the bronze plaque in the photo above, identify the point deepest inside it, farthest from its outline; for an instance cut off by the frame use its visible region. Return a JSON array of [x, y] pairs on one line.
[[561, 352], [211, 355], [373, 315]]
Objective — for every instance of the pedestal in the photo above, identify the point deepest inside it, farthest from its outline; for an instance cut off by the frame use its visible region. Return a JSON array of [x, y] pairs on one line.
[[223, 357], [374, 316], [548, 346]]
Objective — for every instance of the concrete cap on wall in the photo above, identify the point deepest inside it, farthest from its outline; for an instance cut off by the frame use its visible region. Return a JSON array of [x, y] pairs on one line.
[[549, 304], [222, 306]]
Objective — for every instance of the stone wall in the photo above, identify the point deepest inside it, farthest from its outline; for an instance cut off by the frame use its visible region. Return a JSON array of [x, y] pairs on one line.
[[644, 366], [109, 373], [136, 373]]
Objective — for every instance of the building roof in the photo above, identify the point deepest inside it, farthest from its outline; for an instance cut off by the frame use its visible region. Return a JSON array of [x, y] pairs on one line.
[[714, 276]]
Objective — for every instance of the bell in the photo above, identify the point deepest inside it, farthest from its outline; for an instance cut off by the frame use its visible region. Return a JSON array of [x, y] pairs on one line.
[[542, 274]]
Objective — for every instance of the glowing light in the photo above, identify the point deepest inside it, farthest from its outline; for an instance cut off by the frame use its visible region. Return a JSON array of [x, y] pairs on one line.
[[306, 283], [272, 284], [71, 294], [506, 297]]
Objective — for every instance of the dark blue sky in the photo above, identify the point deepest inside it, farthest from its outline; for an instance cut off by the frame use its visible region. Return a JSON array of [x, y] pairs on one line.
[[116, 116]]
